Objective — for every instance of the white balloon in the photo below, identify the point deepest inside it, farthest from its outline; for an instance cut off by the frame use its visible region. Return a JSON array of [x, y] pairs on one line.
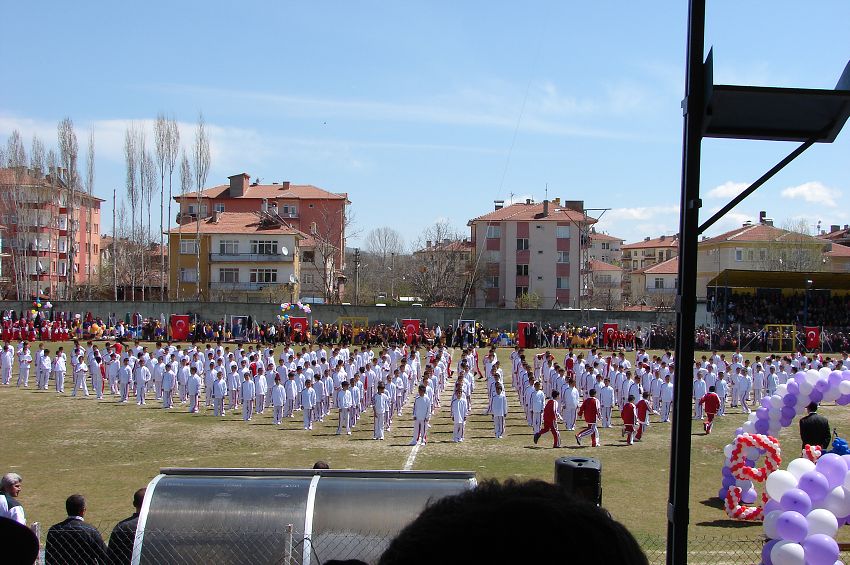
[[844, 387], [831, 394], [770, 520], [822, 521], [752, 417], [749, 428], [837, 501], [847, 481], [782, 389], [776, 402], [812, 376], [774, 415], [727, 451], [802, 402], [778, 483], [787, 553], [806, 388], [800, 466], [824, 372]]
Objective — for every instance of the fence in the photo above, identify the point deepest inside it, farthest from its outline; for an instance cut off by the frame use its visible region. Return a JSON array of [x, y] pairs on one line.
[[286, 546]]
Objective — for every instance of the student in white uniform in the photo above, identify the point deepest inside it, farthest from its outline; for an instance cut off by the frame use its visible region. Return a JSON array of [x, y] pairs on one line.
[[59, 370], [142, 376], [499, 408], [219, 393], [278, 394], [260, 390], [344, 403], [193, 389], [291, 389], [380, 407], [459, 411], [666, 396], [308, 403], [169, 379], [80, 377], [605, 394], [24, 363], [247, 392], [6, 361], [699, 391], [421, 416]]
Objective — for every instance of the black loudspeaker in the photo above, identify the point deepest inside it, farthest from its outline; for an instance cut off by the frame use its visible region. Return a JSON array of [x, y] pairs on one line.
[[581, 476]]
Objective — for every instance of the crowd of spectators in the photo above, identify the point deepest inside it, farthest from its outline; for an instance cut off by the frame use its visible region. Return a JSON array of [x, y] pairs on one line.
[[821, 308]]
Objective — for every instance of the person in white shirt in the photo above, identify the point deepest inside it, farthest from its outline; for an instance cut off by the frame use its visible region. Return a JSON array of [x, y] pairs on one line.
[[80, 377], [219, 393], [193, 389], [125, 375], [59, 369], [291, 389], [142, 376], [721, 389], [6, 361], [605, 394], [666, 396], [569, 403], [24, 363], [46, 367], [499, 409], [169, 379], [421, 416], [743, 382], [278, 394], [308, 403], [380, 407], [10, 489], [699, 391], [247, 392], [260, 389], [344, 403], [459, 409]]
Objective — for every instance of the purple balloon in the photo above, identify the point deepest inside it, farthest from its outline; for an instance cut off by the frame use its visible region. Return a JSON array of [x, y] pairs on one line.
[[792, 387], [762, 413], [822, 385], [834, 379], [739, 431], [770, 506], [832, 467], [721, 494], [726, 471], [749, 496], [843, 400], [846, 460], [765, 402], [820, 549], [788, 412], [784, 422], [762, 426], [796, 500], [816, 396], [792, 526], [815, 485], [728, 482], [789, 399], [765, 552]]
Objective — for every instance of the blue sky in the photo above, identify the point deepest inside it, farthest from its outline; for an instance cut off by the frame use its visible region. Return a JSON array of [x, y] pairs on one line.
[[426, 111]]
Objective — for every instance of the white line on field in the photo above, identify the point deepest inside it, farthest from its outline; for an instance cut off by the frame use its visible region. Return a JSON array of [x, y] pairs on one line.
[[408, 465]]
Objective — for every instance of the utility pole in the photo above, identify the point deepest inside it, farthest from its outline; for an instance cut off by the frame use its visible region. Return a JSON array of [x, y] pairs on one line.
[[392, 276], [356, 276]]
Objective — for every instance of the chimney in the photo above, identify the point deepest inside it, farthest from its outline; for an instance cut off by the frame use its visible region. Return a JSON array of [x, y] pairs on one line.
[[428, 244], [264, 205], [834, 227], [446, 241], [646, 239], [284, 185], [662, 238], [528, 200], [574, 205], [238, 184], [557, 201], [545, 208], [499, 204], [215, 216], [762, 216]]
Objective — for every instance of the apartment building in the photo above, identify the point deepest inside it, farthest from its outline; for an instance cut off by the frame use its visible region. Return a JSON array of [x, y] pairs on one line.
[[643, 254], [606, 248]]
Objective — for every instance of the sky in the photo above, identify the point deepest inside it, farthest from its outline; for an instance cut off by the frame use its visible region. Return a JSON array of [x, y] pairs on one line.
[[429, 111]]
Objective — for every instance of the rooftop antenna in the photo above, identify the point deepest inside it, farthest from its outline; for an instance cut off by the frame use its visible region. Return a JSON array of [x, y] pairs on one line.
[[511, 197], [547, 191]]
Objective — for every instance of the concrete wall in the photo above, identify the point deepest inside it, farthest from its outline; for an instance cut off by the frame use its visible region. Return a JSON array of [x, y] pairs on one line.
[[489, 317]]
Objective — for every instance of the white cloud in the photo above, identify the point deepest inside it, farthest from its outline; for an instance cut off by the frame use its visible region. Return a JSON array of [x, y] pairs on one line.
[[728, 189], [813, 192]]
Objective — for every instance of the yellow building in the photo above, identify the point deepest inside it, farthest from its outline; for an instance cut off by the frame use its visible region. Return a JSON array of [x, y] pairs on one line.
[[243, 256]]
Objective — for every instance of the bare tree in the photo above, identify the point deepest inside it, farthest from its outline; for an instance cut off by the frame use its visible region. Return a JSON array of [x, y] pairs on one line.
[[13, 196], [90, 193], [796, 250], [149, 173], [383, 242], [114, 253], [167, 148], [440, 268], [185, 187], [201, 168], [38, 216], [329, 237], [131, 156], [68, 154]]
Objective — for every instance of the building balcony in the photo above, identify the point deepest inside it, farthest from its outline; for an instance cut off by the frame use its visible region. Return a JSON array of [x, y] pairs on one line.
[[241, 286], [251, 257], [660, 290]]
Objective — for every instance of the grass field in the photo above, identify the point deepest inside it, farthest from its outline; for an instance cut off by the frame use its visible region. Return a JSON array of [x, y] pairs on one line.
[[105, 450]]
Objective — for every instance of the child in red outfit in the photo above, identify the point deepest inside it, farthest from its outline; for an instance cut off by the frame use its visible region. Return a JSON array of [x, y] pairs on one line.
[[550, 413], [629, 415], [590, 411], [711, 402], [644, 409]]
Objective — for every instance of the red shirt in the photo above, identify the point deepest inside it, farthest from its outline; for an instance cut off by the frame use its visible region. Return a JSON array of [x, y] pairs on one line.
[[642, 409], [549, 411], [589, 409], [712, 403], [628, 414]]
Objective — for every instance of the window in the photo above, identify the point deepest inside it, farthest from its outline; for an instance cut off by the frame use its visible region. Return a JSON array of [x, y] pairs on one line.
[[191, 209], [521, 243], [606, 245], [263, 275], [218, 207], [308, 256], [95, 248], [762, 254], [491, 281], [228, 247], [88, 247], [520, 290], [96, 228], [739, 254], [634, 265], [522, 270], [563, 256], [188, 247], [63, 268], [188, 274], [228, 275], [494, 232], [308, 278], [264, 247], [562, 283], [659, 282], [669, 254], [63, 245], [314, 228], [603, 279], [750, 254], [562, 232], [290, 210]]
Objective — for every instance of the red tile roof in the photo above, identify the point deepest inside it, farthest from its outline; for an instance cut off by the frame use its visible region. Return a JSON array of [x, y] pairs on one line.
[[663, 241], [757, 232], [9, 177], [596, 265], [236, 223], [605, 237], [668, 267], [270, 191], [525, 212], [839, 250], [454, 245]]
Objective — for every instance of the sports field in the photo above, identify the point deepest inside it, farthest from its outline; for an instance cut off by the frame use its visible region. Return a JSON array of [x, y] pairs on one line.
[[105, 450]]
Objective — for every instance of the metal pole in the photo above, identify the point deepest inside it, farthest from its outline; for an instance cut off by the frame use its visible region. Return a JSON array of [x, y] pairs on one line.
[[680, 453]]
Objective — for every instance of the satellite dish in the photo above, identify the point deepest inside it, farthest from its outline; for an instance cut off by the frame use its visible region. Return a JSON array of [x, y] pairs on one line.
[[284, 251], [293, 279]]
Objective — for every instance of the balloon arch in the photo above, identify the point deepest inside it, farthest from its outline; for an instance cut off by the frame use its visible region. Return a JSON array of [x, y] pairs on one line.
[[804, 505]]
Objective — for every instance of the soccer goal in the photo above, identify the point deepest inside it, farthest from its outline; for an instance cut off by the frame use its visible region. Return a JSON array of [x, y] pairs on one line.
[[780, 338]]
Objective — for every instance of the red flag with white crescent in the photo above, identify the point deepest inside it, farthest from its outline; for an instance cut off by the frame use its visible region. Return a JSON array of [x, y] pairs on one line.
[[411, 328], [179, 327], [812, 337], [609, 333], [298, 325]]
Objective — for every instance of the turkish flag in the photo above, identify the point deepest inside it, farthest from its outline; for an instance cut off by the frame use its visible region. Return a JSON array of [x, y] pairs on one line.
[[609, 333], [812, 337], [411, 328], [298, 325], [179, 327]]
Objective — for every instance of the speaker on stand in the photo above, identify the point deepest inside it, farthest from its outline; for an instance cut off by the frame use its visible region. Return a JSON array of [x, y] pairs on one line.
[[581, 476]]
